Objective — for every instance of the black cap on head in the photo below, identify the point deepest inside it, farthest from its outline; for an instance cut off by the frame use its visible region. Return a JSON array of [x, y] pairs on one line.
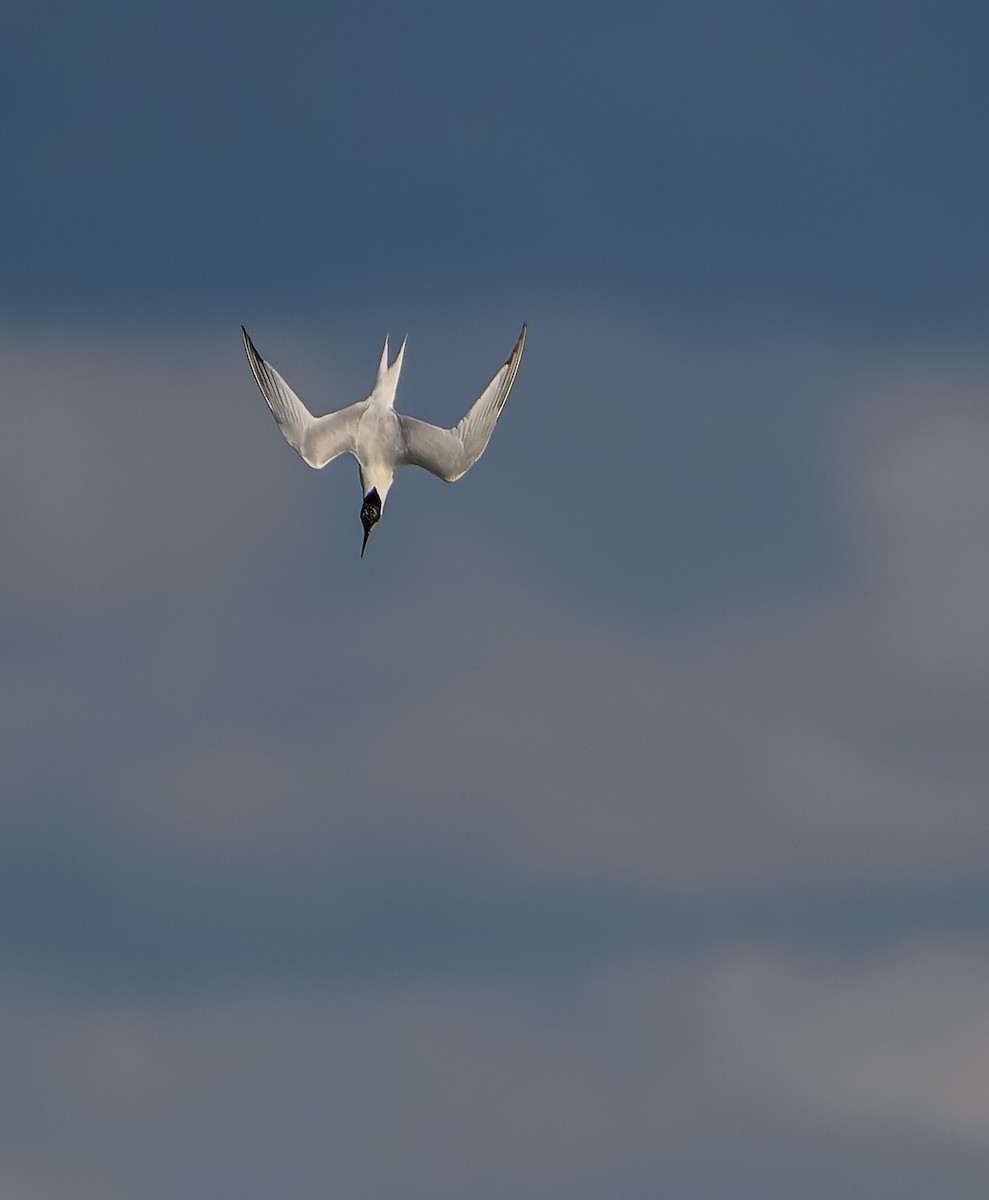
[[370, 514]]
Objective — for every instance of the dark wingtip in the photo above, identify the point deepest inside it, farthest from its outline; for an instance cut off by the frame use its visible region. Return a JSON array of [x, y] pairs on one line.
[[519, 344]]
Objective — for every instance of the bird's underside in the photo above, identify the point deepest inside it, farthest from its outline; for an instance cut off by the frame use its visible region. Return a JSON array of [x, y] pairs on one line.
[[381, 439], [406, 442]]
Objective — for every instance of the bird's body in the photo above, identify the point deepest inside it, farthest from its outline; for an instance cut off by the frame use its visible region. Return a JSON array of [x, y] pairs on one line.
[[381, 439], [378, 447]]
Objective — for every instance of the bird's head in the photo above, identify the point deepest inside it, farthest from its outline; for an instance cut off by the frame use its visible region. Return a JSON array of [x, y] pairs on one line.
[[370, 515]]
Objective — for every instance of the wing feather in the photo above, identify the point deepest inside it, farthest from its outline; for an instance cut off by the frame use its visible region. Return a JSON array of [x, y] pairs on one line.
[[317, 439], [449, 453]]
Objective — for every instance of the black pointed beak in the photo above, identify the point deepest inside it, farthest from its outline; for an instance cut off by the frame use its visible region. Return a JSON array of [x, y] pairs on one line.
[[367, 534]]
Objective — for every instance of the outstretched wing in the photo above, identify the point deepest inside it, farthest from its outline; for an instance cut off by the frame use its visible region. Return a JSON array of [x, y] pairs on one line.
[[448, 453], [317, 439]]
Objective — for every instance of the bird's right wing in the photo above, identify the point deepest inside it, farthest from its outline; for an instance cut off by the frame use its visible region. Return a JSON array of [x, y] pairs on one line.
[[448, 453], [317, 439]]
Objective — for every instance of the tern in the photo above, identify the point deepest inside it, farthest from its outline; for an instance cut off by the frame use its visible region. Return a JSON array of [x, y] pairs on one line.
[[381, 439]]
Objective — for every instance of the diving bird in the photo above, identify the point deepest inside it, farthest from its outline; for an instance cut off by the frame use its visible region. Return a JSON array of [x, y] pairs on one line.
[[381, 439]]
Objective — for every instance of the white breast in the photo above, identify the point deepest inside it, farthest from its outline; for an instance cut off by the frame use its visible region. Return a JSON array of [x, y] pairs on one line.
[[379, 440]]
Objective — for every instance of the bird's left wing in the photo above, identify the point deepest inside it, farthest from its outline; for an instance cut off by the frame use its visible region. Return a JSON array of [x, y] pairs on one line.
[[448, 453], [317, 439]]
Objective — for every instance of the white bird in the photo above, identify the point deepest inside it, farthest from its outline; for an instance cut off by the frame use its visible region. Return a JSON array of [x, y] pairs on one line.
[[381, 439]]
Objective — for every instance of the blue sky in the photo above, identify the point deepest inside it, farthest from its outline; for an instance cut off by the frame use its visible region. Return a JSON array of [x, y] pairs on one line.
[[617, 826], [816, 159]]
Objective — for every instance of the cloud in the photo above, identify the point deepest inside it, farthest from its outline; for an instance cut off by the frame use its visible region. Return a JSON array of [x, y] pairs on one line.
[[715, 1072], [894, 1039], [440, 1084], [475, 864], [921, 485], [240, 706], [122, 461]]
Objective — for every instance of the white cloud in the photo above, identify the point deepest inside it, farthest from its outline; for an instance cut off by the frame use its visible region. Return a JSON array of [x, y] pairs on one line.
[[445, 1086], [921, 488], [895, 1039], [626, 1067], [465, 720], [121, 462], [205, 706]]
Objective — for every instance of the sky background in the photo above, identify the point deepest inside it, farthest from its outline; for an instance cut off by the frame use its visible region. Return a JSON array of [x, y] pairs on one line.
[[618, 826]]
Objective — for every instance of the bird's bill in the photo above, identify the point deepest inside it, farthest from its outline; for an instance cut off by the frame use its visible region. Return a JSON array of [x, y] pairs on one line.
[[367, 534]]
